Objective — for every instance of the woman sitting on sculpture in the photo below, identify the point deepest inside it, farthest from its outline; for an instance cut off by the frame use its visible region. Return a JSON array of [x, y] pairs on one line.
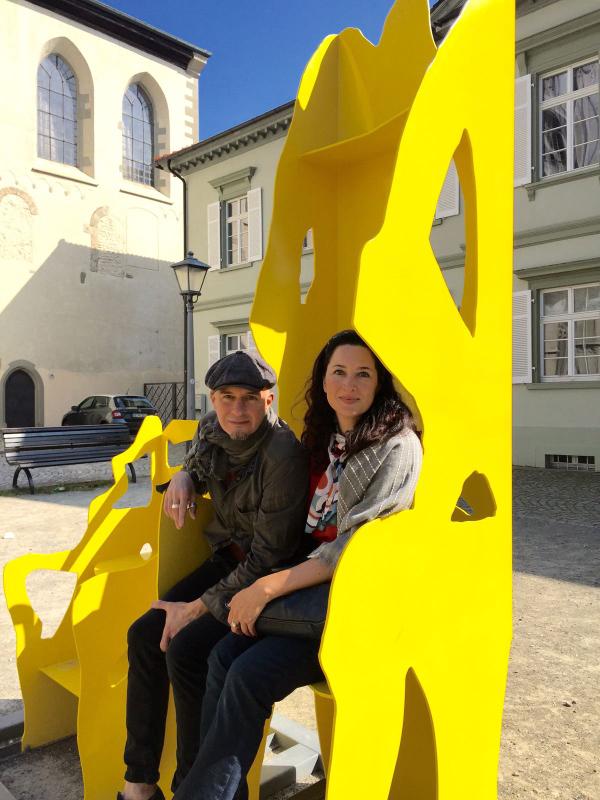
[[365, 461]]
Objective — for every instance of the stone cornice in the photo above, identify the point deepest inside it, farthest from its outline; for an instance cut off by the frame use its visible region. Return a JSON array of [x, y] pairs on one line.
[[558, 32], [252, 133]]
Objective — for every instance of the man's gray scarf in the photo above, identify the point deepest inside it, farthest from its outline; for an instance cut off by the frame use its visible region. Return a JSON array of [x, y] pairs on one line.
[[215, 454]]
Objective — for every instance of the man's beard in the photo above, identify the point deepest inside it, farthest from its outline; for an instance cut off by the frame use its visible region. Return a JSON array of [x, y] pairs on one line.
[[240, 436]]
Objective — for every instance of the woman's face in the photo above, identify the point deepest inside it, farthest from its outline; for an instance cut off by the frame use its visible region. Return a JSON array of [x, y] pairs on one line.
[[350, 383]]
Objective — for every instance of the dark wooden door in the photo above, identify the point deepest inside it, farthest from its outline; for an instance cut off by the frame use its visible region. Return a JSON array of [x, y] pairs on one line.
[[19, 400]]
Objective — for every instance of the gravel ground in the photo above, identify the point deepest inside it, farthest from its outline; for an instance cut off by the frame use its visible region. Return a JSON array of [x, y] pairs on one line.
[[551, 737]]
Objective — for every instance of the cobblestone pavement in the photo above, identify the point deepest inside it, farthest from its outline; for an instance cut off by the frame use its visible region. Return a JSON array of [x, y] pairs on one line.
[[570, 497], [550, 739]]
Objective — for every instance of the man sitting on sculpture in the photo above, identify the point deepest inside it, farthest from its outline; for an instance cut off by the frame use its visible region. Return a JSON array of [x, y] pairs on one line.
[[257, 476]]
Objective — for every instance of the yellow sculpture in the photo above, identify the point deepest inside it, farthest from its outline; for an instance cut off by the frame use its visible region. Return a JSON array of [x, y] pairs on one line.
[[76, 680], [418, 673]]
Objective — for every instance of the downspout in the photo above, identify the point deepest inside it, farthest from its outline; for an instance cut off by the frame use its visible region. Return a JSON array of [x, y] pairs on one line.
[[185, 251], [185, 205]]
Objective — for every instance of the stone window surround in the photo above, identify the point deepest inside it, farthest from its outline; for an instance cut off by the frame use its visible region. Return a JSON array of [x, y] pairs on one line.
[[545, 52], [555, 276]]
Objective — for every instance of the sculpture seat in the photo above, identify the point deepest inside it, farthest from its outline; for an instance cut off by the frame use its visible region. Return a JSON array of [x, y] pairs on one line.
[[74, 682]]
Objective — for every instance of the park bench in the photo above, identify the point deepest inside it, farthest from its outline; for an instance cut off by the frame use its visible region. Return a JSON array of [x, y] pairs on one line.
[[29, 448]]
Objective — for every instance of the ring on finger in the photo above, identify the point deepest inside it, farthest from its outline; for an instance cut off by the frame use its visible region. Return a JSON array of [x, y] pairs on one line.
[[235, 624], [175, 505]]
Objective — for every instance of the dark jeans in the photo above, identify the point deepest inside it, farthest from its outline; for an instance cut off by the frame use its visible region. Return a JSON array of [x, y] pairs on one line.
[[246, 676], [184, 665]]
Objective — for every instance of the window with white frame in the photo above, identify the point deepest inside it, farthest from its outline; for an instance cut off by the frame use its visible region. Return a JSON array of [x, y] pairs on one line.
[[236, 231], [232, 342], [138, 136], [570, 332], [57, 110], [223, 344], [569, 122], [234, 234]]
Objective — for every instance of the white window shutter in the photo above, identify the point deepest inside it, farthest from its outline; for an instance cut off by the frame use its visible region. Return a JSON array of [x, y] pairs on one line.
[[449, 201], [214, 349], [255, 235], [521, 337], [523, 130], [213, 213]]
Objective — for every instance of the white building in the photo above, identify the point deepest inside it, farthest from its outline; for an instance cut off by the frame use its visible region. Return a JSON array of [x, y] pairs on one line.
[[88, 226]]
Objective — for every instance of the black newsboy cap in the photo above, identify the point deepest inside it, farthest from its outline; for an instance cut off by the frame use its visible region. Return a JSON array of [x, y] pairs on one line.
[[240, 369]]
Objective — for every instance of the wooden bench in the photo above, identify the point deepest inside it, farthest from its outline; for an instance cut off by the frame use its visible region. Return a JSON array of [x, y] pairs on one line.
[[29, 448]]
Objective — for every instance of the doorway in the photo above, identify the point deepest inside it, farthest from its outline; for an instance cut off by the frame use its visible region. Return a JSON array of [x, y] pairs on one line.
[[19, 400]]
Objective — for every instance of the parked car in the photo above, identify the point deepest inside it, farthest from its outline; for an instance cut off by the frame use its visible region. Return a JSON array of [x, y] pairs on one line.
[[120, 409]]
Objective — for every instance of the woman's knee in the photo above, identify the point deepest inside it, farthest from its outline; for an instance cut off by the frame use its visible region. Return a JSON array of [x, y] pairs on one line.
[[220, 659]]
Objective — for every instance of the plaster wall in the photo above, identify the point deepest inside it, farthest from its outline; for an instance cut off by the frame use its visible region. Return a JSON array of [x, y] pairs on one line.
[[87, 296]]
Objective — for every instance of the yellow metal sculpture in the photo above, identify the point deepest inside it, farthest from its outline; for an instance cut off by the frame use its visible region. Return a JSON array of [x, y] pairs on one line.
[[418, 671]]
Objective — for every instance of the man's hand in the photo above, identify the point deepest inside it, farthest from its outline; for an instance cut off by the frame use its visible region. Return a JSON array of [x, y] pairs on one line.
[[246, 606], [179, 498], [178, 615]]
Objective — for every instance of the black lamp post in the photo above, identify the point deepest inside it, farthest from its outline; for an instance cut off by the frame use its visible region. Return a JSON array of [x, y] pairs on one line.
[[190, 274]]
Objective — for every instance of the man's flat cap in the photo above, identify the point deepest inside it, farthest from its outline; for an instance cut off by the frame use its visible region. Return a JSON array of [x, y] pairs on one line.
[[240, 369]]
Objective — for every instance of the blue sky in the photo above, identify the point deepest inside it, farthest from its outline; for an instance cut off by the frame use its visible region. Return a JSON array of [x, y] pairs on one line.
[[260, 47]]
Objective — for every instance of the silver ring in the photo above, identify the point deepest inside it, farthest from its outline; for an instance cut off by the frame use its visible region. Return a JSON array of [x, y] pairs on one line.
[[175, 505], [191, 505]]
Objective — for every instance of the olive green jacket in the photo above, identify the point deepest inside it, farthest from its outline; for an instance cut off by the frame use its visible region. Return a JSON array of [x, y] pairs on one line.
[[264, 512]]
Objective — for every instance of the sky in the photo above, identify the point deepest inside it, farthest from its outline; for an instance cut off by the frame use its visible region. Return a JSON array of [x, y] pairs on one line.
[[260, 47]]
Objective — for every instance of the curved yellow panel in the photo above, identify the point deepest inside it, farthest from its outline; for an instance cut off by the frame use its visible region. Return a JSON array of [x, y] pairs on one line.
[[417, 639], [75, 682]]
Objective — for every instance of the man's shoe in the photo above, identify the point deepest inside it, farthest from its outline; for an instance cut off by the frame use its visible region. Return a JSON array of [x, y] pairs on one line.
[[158, 795]]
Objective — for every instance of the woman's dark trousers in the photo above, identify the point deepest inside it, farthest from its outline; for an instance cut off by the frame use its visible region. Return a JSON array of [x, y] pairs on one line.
[[246, 676], [184, 666]]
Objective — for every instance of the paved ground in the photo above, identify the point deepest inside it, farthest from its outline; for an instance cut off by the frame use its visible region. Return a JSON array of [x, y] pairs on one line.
[[551, 735]]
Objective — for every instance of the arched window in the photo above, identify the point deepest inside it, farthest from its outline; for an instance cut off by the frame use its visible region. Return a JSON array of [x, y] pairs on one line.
[[138, 136], [57, 110]]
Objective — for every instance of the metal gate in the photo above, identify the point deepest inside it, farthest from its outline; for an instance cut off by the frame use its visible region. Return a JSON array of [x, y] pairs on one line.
[[168, 399]]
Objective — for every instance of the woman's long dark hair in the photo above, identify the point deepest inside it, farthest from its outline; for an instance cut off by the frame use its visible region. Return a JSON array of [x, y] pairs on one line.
[[387, 416]]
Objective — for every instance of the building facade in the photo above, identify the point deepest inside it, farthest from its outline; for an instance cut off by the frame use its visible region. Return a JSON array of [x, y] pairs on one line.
[[556, 347], [556, 326], [88, 225]]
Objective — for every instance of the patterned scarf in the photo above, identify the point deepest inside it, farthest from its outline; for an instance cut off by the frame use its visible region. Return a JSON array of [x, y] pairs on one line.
[[323, 506]]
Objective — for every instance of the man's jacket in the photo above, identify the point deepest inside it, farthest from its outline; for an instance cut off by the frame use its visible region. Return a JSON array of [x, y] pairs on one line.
[[264, 512]]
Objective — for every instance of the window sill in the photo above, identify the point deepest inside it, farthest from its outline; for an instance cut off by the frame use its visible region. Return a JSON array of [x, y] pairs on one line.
[[59, 170], [564, 177], [141, 190], [235, 267], [594, 384]]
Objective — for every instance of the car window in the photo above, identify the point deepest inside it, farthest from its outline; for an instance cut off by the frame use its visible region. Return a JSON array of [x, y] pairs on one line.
[[101, 402], [134, 402], [87, 403]]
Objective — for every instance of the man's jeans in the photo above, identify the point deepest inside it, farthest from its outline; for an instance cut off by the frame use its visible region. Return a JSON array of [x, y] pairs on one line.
[[246, 676], [184, 665]]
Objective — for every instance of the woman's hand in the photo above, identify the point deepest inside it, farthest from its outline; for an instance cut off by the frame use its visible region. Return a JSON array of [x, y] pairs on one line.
[[246, 606]]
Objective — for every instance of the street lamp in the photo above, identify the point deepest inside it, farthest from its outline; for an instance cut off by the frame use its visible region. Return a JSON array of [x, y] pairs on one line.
[[190, 274]]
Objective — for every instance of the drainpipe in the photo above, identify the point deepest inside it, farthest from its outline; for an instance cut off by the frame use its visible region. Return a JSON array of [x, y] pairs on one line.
[[185, 251]]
